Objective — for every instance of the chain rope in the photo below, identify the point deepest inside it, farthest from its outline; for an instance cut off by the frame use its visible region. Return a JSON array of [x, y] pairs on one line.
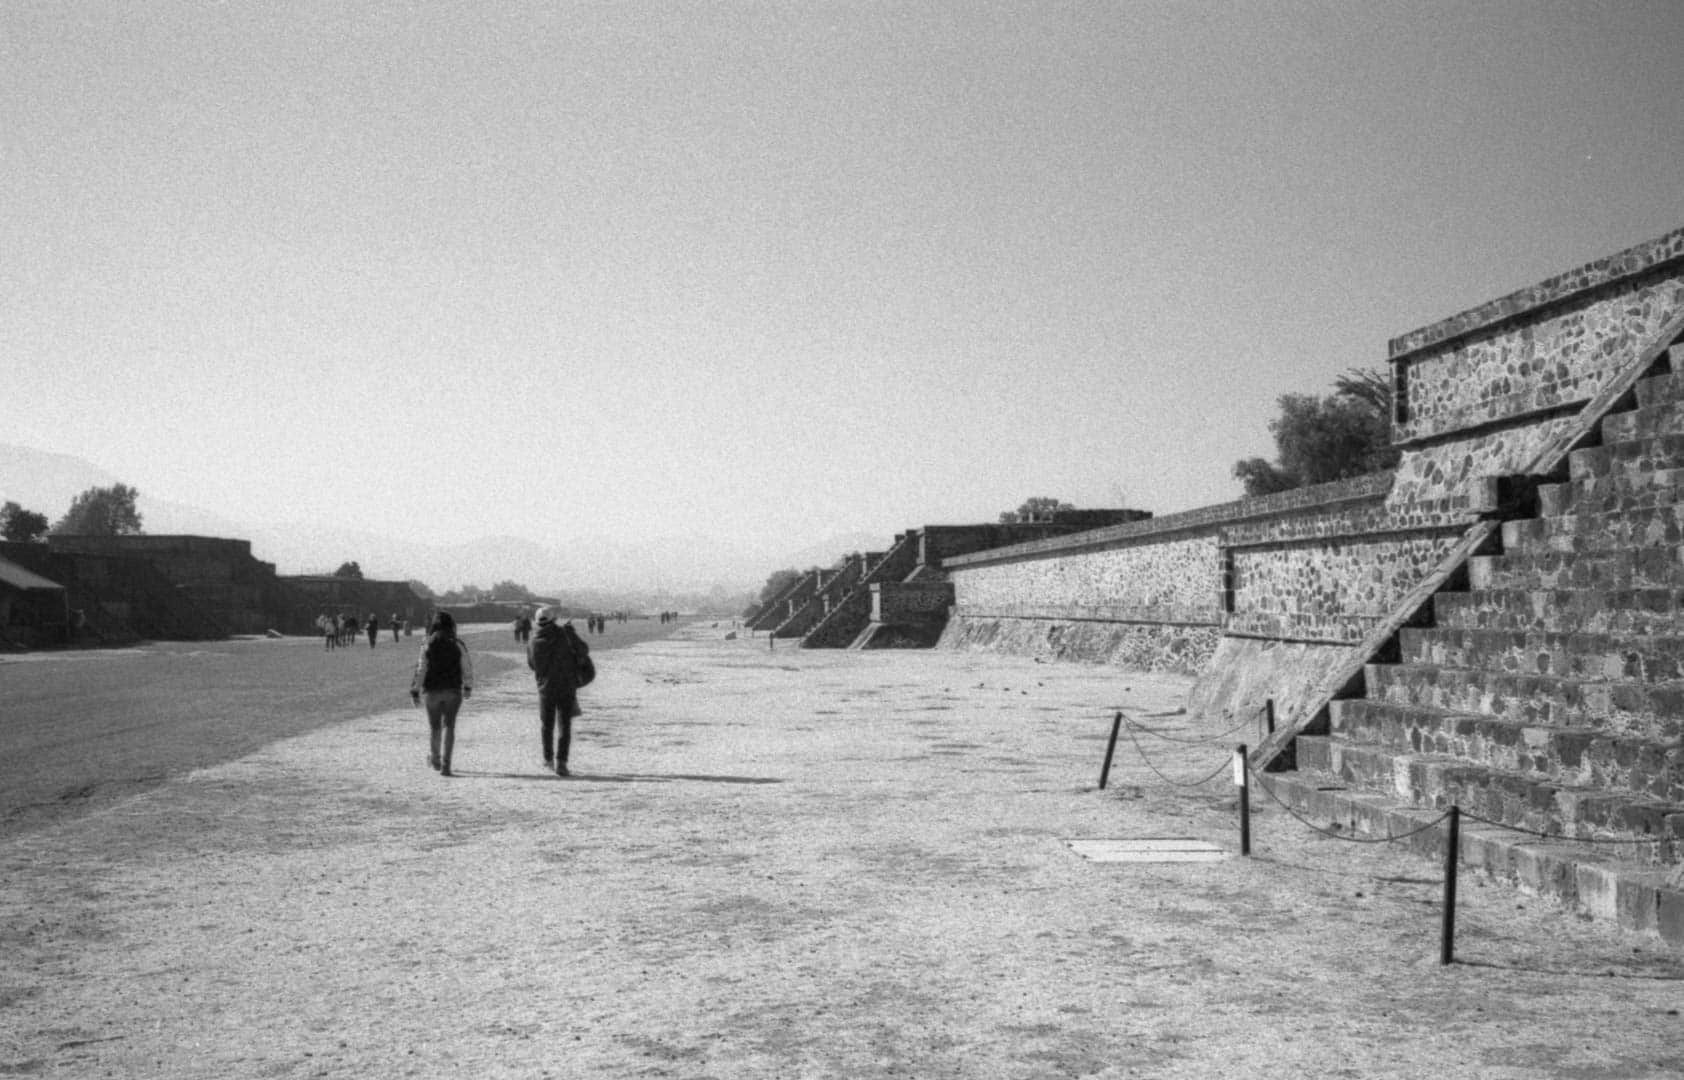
[[1312, 826], [1129, 725], [1134, 730], [1202, 741], [1612, 840]]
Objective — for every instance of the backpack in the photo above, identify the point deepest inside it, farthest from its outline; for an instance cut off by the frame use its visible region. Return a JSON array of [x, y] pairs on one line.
[[584, 669], [444, 664]]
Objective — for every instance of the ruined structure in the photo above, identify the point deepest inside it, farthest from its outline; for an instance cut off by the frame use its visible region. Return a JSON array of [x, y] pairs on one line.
[[107, 598], [1498, 625], [33, 609], [901, 597], [181, 588], [332, 594]]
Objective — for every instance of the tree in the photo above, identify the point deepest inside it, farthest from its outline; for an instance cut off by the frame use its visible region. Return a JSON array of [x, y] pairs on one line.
[[101, 512], [1348, 433], [777, 582], [349, 569], [1035, 508], [512, 590], [467, 594], [20, 525]]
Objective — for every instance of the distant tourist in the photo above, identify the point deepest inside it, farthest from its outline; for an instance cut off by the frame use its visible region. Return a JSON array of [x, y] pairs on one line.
[[560, 661], [373, 628], [444, 678], [329, 628], [523, 627], [397, 625]]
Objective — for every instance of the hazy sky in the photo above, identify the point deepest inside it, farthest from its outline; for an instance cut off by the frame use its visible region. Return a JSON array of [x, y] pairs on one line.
[[774, 271]]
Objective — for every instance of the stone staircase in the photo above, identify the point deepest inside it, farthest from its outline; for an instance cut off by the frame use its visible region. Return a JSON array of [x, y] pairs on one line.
[[781, 606], [1547, 691], [830, 587], [850, 616]]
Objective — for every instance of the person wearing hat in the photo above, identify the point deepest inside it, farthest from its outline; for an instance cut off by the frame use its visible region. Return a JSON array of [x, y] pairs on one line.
[[553, 655]]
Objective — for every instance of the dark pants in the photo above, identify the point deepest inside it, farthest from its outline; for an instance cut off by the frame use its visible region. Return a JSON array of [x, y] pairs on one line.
[[555, 711]]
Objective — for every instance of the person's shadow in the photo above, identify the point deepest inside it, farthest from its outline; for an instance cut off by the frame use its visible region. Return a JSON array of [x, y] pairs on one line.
[[615, 778]]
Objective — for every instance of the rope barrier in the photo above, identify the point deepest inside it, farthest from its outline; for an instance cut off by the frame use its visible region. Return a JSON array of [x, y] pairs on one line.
[[1468, 814], [1611, 840], [1313, 827], [1195, 742], [1168, 780]]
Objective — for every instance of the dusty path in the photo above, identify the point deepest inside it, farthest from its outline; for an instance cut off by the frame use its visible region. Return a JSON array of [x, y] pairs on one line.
[[777, 864], [81, 729]]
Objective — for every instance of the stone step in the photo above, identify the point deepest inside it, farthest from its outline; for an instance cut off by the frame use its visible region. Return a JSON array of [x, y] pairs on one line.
[[1436, 781], [1631, 456], [1643, 422], [1571, 654], [1621, 883], [1608, 571], [1612, 493], [1581, 757], [1631, 709], [1661, 389], [1592, 533], [1595, 611]]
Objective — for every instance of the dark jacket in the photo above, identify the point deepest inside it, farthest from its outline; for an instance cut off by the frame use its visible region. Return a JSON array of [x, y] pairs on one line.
[[553, 656], [444, 665]]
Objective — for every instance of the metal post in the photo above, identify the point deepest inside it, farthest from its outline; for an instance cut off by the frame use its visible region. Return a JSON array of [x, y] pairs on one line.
[[1242, 777], [1269, 715], [1110, 748], [1452, 848]]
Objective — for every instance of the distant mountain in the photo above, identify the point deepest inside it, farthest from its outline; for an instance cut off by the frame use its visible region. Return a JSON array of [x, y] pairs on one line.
[[653, 566], [48, 483]]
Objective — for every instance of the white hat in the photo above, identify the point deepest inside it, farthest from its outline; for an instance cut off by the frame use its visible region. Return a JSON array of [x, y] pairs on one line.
[[546, 616]]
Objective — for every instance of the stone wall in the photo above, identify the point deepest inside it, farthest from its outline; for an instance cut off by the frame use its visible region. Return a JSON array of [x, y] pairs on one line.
[[911, 601], [121, 598], [220, 575], [1313, 565], [1285, 597], [319, 594], [1488, 391]]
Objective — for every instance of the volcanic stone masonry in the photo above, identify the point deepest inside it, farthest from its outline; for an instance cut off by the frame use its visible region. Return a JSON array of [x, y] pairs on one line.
[[1496, 626]]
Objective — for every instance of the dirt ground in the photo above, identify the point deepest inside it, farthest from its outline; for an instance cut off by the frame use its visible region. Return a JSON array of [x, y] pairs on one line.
[[781, 864]]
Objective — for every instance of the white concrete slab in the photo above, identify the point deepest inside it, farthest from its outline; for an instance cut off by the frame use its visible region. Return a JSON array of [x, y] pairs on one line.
[[1148, 849]]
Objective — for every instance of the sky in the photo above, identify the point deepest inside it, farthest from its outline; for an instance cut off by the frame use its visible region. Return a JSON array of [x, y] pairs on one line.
[[772, 271]]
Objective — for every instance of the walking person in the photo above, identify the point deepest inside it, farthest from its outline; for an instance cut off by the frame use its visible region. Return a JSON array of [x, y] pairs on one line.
[[397, 624], [373, 628], [559, 660], [444, 678]]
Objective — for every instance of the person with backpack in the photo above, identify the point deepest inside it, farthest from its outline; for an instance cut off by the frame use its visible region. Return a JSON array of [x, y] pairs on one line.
[[444, 678], [561, 663]]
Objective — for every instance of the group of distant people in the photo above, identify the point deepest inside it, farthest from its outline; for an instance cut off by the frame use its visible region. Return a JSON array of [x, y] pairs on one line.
[[340, 629], [595, 622], [444, 678], [523, 625]]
